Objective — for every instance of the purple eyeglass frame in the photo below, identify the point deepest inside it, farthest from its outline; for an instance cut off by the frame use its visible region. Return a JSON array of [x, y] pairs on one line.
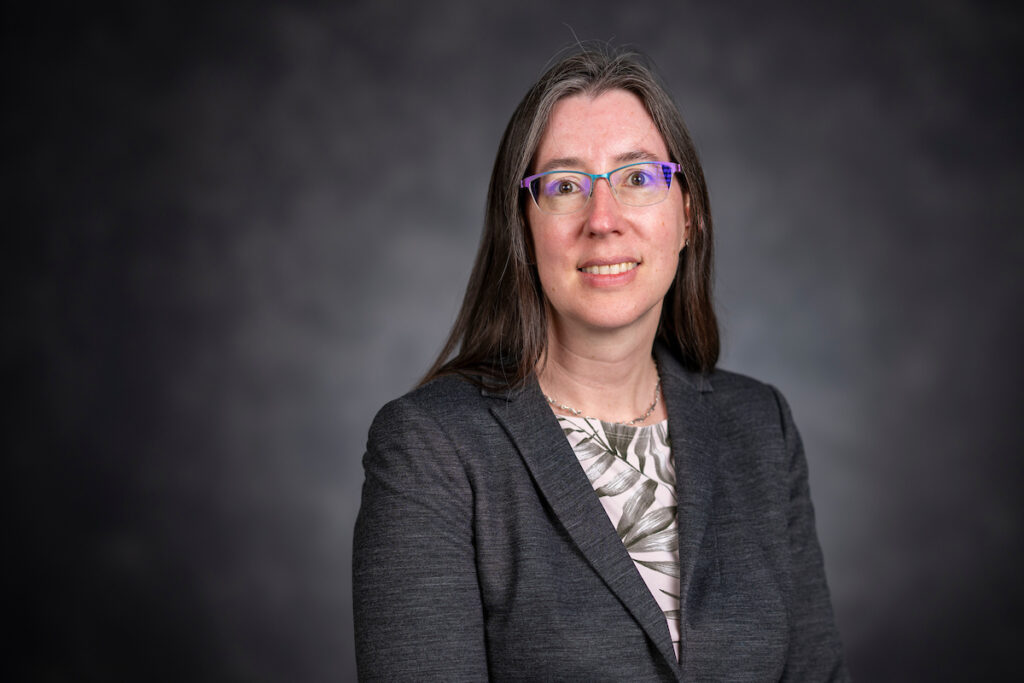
[[669, 168]]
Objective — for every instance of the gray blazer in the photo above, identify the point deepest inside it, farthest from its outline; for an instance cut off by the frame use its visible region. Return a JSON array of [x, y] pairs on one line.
[[481, 551]]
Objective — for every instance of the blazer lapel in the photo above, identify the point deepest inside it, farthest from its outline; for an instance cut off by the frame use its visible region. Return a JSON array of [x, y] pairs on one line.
[[692, 427], [534, 429]]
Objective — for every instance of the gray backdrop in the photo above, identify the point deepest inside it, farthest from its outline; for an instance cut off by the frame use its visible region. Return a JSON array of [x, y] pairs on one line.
[[234, 231]]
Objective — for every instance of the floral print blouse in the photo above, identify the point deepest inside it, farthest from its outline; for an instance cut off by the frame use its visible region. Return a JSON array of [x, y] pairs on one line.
[[633, 474]]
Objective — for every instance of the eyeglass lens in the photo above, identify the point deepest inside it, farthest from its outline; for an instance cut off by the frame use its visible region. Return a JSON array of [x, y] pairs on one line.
[[641, 184]]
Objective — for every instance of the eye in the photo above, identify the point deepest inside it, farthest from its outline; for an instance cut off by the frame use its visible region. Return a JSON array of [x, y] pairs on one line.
[[561, 186], [638, 179]]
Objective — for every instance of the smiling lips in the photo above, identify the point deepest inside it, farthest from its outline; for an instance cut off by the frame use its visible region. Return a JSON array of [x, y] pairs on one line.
[[610, 269]]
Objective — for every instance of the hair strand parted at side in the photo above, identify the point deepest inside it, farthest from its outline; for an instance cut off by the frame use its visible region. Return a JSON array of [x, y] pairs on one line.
[[500, 333]]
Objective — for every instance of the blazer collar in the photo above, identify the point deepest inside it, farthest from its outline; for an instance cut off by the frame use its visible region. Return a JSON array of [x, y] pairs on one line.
[[693, 430], [533, 428]]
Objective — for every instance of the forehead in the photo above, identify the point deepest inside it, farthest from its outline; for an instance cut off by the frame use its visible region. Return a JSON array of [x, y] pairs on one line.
[[598, 129]]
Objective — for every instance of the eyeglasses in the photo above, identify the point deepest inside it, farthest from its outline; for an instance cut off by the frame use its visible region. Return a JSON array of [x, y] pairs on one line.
[[640, 184]]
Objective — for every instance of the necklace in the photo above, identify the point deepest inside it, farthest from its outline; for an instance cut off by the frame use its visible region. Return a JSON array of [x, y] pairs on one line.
[[577, 413]]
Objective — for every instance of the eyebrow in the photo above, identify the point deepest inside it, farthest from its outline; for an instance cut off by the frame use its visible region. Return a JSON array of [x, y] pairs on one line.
[[569, 163]]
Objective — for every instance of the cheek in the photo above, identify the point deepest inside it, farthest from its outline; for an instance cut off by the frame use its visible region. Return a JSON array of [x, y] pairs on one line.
[[547, 255], [673, 234], [551, 243], [542, 252]]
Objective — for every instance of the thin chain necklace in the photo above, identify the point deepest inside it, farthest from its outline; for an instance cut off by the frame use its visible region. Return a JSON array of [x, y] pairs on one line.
[[577, 413]]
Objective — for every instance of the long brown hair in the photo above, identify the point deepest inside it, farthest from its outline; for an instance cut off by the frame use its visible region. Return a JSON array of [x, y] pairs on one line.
[[501, 331]]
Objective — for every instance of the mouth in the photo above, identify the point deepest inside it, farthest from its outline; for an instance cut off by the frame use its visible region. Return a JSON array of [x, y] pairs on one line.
[[610, 268]]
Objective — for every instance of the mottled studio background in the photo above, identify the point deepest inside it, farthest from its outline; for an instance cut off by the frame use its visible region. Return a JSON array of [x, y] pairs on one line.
[[232, 231]]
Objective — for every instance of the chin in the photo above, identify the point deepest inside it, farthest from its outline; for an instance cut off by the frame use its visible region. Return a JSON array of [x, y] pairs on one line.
[[624, 320]]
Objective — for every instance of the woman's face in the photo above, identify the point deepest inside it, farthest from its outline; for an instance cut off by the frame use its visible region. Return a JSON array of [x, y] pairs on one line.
[[595, 135]]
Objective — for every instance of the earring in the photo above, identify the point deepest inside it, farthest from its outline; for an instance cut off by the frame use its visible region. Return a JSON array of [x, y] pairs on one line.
[[687, 242]]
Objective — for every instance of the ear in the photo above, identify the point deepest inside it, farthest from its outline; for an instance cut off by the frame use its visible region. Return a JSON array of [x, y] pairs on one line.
[[687, 219]]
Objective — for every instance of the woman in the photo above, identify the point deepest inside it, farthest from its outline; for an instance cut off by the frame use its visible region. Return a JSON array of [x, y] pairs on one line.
[[574, 492]]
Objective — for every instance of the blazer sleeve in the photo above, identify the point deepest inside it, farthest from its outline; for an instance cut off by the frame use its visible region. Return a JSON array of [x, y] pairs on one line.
[[815, 652], [416, 598]]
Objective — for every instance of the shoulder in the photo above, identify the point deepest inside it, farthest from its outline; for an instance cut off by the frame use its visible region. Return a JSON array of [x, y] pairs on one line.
[[442, 432], [738, 404], [732, 394], [437, 399], [411, 440], [744, 400], [726, 381], [735, 388], [443, 410]]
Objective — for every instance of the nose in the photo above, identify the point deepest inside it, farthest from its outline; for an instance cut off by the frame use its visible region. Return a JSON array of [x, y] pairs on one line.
[[603, 209]]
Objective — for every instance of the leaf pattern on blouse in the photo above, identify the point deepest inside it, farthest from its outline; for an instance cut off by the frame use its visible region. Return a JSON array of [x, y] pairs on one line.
[[632, 472]]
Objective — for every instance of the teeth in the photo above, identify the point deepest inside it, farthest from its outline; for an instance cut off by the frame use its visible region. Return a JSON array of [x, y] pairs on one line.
[[613, 269]]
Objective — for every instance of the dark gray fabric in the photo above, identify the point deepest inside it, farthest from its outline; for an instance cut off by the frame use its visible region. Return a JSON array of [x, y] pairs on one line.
[[481, 551]]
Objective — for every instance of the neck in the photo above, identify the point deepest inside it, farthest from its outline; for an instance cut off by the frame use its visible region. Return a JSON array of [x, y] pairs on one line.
[[610, 376]]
